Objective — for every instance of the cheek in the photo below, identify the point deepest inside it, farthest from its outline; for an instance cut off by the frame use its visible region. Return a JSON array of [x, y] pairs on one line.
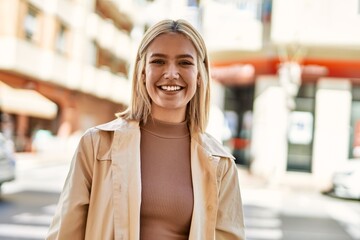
[[151, 75], [193, 80], [192, 89], [149, 87]]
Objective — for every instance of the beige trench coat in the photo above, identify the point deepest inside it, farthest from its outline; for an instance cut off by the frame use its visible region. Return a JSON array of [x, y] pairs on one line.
[[102, 193]]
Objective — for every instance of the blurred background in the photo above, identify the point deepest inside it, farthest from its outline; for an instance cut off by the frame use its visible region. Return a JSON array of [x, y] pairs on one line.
[[285, 101]]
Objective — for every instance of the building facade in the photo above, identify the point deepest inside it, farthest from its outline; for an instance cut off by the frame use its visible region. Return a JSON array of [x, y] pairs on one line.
[[286, 73], [65, 63], [304, 93]]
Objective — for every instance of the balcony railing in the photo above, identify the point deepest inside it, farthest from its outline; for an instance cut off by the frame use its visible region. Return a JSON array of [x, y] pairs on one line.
[[28, 59]]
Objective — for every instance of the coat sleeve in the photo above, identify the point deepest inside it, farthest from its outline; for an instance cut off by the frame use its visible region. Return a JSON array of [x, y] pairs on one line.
[[69, 221], [230, 222]]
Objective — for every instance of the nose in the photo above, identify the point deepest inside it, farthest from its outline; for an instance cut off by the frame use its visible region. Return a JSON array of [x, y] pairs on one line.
[[171, 72]]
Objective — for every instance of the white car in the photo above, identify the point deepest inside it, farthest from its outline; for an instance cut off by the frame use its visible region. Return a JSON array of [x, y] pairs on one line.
[[346, 180], [7, 160]]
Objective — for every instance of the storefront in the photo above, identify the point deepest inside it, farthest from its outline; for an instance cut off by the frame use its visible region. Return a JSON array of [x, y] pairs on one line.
[[320, 134], [48, 112], [22, 112]]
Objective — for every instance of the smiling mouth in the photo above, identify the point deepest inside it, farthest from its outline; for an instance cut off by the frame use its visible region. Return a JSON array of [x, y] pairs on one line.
[[171, 88]]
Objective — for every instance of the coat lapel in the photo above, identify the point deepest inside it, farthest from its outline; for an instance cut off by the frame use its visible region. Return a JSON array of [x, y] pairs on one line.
[[204, 188], [125, 156], [127, 182], [205, 156]]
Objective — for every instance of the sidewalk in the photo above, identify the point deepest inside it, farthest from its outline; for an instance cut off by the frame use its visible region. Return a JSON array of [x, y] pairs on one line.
[[292, 208], [249, 180], [44, 158]]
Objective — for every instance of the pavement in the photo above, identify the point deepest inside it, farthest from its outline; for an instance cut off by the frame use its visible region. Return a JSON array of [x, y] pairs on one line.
[[39, 172], [295, 209]]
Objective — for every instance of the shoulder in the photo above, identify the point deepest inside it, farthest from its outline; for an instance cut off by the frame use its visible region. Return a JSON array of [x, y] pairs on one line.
[[105, 129], [109, 127], [226, 165], [101, 136], [117, 124], [213, 146]]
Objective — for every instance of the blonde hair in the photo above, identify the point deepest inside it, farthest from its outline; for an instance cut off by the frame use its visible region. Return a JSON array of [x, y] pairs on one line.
[[197, 112]]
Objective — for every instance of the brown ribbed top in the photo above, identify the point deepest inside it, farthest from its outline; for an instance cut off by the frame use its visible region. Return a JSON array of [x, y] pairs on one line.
[[167, 193]]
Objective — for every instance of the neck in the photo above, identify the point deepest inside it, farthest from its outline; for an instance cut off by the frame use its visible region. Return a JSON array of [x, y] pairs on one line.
[[171, 116]]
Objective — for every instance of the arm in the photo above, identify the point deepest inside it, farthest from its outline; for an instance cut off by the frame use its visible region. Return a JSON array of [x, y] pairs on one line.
[[70, 218], [230, 223]]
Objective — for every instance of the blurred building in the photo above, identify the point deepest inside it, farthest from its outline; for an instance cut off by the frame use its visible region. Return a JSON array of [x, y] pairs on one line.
[[291, 71], [64, 65], [286, 73]]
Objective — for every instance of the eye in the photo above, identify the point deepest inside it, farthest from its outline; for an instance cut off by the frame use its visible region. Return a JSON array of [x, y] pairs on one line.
[[157, 61], [186, 63]]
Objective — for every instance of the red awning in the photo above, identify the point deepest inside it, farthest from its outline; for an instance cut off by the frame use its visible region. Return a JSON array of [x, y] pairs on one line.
[[239, 74]]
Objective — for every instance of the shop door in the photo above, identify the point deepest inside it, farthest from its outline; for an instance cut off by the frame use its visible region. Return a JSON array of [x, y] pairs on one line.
[[301, 132], [354, 146]]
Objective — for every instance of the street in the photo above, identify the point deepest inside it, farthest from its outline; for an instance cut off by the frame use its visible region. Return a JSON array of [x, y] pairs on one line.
[[26, 214], [28, 204], [274, 214], [291, 211]]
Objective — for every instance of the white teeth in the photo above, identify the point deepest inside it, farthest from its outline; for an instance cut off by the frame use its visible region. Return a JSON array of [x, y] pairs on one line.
[[170, 88]]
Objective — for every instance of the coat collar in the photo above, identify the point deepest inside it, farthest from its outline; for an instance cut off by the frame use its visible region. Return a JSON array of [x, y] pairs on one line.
[[118, 124], [212, 146]]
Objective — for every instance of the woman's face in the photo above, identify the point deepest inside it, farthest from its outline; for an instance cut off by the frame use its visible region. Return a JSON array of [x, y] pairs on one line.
[[171, 75]]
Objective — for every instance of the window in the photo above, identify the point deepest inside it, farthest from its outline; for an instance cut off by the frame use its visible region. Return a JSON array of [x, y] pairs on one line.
[[92, 53], [354, 143], [266, 11], [31, 24], [249, 8], [301, 130], [107, 60], [192, 3], [238, 114], [61, 39]]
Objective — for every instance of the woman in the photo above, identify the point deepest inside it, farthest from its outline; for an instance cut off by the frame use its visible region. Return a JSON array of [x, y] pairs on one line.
[[153, 173]]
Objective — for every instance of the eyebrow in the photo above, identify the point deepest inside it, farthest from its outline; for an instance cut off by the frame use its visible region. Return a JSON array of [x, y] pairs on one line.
[[177, 56]]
